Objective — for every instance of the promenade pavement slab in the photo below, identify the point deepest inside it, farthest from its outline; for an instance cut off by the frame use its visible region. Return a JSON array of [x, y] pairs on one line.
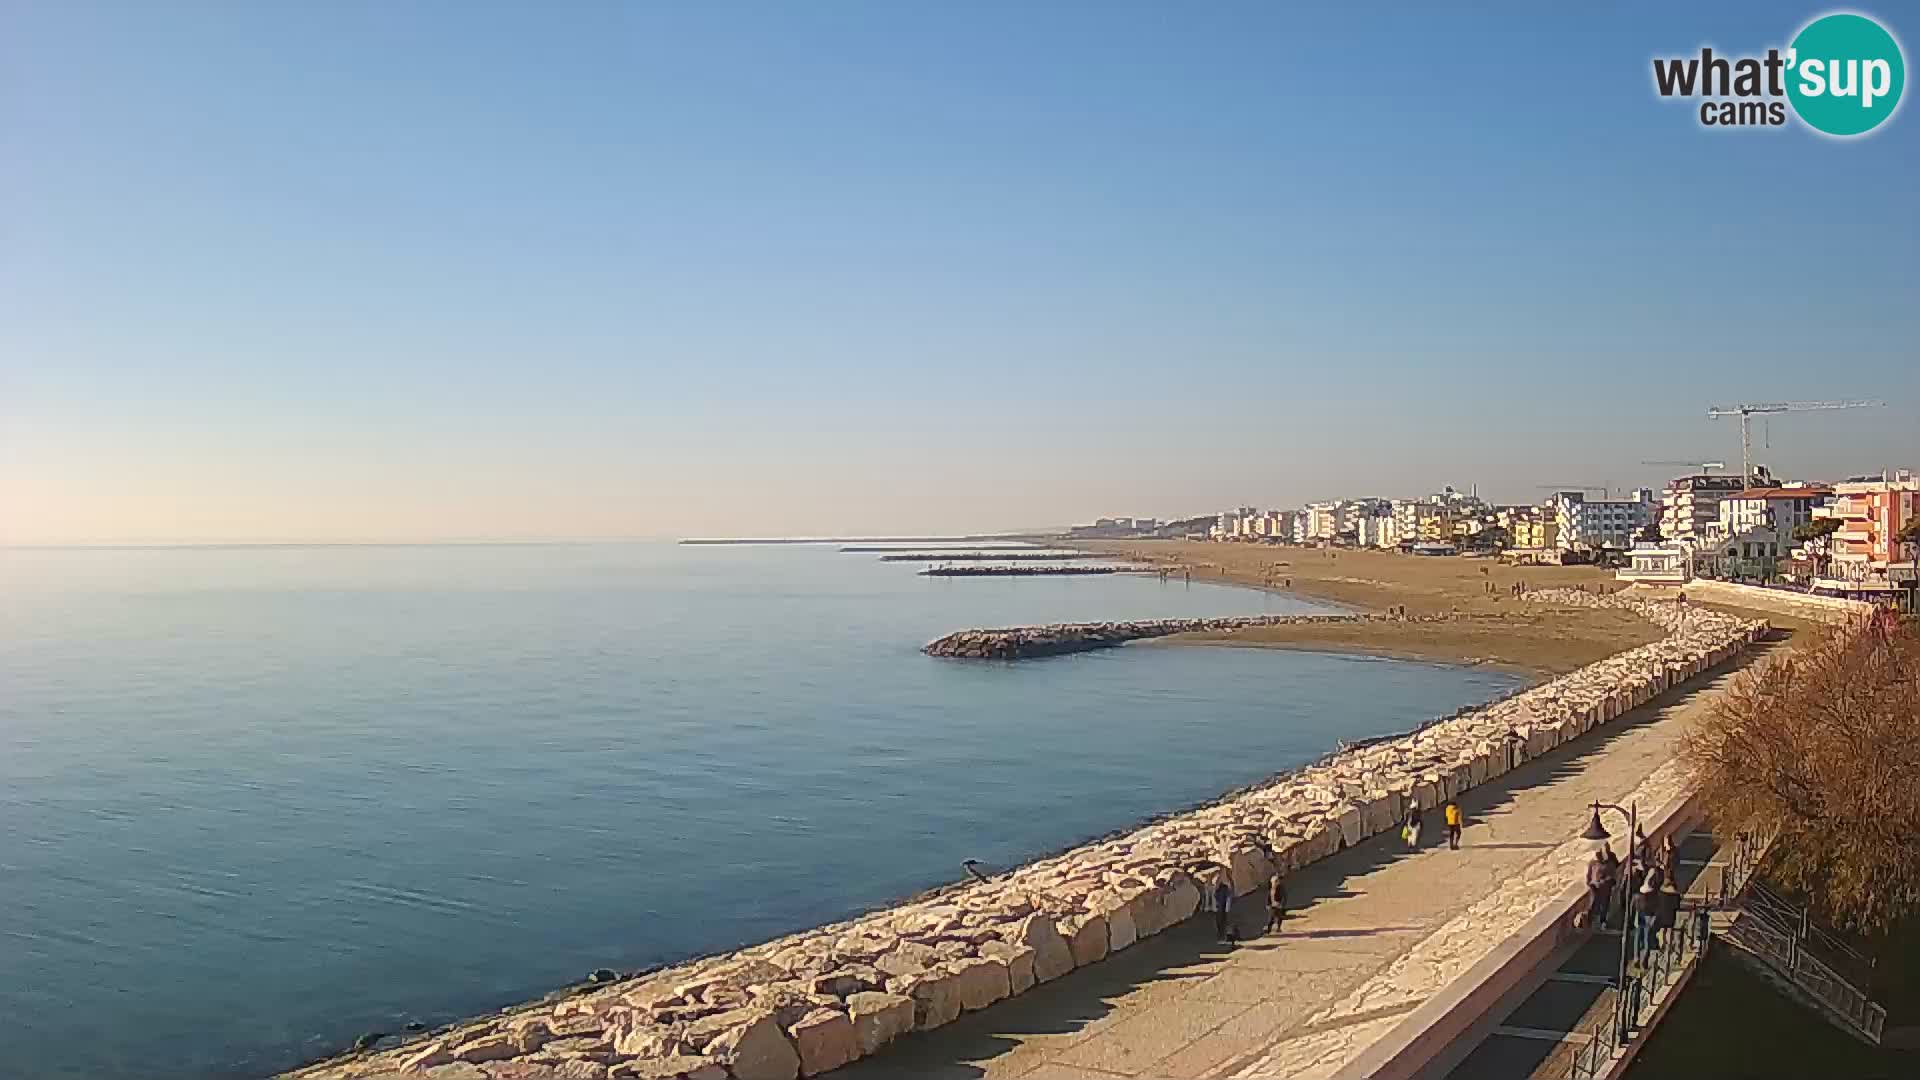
[[1375, 930]]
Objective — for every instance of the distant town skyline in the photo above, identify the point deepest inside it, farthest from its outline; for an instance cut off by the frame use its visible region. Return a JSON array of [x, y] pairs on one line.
[[365, 272]]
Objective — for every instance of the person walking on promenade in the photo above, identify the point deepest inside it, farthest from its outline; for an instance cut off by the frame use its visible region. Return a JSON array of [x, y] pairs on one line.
[[1412, 830], [1454, 820], [1645, 907], [1655, 875], [1222, 904], [1276, 902], [1599, 885], [1614, 872], [1667, 912]]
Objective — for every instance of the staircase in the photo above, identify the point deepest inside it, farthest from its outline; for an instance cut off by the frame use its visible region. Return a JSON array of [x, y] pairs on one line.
[[1798, 955]]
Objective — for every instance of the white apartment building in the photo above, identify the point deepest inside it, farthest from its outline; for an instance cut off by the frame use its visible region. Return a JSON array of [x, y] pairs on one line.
[[1768, 514], [1408, 514], [1323, 520], [1590, 524], [1690, 505], [1369, 528], [1386, 531], [1353, 512]]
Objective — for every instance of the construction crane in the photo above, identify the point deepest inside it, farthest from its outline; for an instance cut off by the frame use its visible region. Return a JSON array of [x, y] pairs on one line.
[[1601, 488], [1745, 413]]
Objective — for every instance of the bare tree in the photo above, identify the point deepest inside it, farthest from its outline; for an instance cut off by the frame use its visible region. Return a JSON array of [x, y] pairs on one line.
[[1825, 744]]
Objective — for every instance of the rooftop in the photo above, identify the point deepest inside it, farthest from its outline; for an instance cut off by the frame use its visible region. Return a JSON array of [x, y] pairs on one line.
[[1782, 493]]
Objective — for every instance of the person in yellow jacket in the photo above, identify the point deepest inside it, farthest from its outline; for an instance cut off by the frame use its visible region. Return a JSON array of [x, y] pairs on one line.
[[1453, 825]]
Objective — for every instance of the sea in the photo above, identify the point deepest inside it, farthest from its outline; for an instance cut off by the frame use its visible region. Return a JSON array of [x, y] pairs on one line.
[[258, 801]]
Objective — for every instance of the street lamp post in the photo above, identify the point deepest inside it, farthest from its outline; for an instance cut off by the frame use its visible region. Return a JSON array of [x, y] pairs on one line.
[[1598, 833]]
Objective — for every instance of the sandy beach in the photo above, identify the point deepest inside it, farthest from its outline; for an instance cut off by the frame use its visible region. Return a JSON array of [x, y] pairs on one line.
[[1485, 627]]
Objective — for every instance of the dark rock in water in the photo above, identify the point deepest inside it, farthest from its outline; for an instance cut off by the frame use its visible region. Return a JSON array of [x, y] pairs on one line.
[[415, 1025], [602, 975], [365, 1042]]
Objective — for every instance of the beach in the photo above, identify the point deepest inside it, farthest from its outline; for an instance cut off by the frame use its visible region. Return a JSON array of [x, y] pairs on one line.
[[1481, 627]]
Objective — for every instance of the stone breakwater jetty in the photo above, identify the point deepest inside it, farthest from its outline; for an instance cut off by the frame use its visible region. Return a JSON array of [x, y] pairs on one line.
[[986, 556], [1027, 570], [1020, 642], [813, 1001]]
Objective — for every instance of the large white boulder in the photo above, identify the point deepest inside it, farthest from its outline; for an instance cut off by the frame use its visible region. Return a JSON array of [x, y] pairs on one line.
[[824, 1039], [878, 1018]]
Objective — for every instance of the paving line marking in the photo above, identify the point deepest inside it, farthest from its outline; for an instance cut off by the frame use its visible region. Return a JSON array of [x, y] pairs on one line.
[[1580, 977], [1574, 1037]]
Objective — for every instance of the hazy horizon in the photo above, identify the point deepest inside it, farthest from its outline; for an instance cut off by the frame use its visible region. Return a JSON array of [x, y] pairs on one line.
[[493, 273]]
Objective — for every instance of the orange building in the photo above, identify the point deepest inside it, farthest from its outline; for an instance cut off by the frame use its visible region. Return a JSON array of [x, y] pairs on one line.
[[1865, 558]]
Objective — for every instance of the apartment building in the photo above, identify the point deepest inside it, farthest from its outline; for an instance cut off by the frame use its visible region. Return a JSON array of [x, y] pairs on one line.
[[1584, 523], [1864, 558], [1690, 505], [1532, 527]]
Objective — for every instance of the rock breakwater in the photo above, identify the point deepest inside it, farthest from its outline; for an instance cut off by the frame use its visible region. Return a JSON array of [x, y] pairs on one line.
[[812, 1001], [1025, 570], [1019, 642], [987, 556]]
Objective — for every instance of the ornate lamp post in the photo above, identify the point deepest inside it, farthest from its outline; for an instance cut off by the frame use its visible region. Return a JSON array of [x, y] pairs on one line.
[[1598, 833]]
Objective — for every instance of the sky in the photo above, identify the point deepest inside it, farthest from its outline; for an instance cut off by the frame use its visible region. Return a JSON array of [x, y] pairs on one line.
[[363, 271]]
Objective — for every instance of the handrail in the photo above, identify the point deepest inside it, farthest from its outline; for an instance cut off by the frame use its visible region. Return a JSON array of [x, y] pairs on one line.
[[1796, 917], [1681, 946], [1776, 932]]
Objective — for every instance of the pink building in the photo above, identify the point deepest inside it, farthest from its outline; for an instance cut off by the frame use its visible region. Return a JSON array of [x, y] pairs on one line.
[[1865, 558]]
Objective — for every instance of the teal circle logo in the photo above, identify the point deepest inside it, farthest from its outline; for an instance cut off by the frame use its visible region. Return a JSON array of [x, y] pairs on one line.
[[1845, 74]]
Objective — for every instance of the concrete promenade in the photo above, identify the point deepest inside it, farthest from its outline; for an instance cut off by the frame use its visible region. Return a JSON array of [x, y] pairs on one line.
[[1375, 931]]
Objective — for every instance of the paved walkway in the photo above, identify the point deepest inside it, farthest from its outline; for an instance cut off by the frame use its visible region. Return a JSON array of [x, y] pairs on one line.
[[1376, 930]]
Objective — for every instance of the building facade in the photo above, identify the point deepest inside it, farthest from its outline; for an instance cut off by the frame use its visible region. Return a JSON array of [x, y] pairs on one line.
[[1323, 520], [1665, 563], [1533, 528], [1586, 524], [1864, 557], [1690, 505]]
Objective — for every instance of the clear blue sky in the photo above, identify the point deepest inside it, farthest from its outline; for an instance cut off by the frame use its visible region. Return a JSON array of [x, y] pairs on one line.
[[408, 271]]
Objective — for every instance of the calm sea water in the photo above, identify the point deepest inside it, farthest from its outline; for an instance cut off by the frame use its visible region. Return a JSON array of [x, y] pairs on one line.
[[257, 801]]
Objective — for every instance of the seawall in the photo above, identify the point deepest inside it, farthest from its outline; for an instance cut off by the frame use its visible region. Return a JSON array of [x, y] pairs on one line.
[[809, 1002], [1827, 609]]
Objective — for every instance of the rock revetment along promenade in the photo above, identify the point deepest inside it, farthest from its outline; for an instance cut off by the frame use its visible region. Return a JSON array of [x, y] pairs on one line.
[[808, 1003]]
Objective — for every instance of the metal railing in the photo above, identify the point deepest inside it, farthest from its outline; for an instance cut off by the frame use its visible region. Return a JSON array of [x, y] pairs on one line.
[[1595, 1056], [1782, 936], [1795, 921], [1743, 857], [1681, 946]]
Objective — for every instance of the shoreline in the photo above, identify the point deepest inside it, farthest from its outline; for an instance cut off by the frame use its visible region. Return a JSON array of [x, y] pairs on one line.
[[822, 997], [1474, 615], [1357, 651]]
